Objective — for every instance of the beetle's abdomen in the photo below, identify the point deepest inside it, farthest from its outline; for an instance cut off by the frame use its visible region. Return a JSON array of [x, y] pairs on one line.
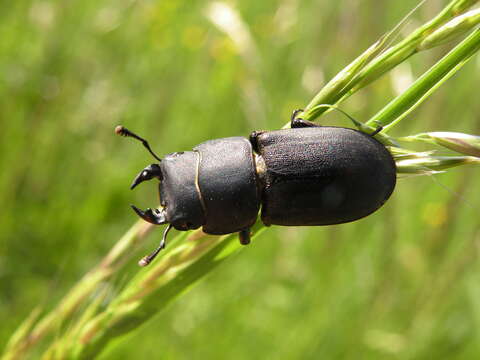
[[228, 185], [323, 176]]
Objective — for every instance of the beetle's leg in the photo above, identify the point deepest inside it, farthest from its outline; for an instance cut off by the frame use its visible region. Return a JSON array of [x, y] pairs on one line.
[[295, 113], [254, 139], [300, 123], [377, 130], [150, 172], [148, 258], [296, 122], [155, 216], [244, 236]]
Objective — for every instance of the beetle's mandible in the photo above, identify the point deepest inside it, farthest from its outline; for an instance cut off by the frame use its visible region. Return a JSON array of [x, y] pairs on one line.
[[308, 175]]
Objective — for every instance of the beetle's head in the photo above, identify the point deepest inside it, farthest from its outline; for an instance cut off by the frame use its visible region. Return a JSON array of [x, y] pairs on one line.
[[156, 216], [180, 201]]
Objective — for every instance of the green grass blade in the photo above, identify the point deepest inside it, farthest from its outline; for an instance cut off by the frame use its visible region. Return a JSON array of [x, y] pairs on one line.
[[79, 294], [408, 46], [398, 108], [151, 291], [371, 65]]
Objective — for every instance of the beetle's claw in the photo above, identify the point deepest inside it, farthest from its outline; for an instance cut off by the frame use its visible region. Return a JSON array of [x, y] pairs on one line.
[[155, 216], [148, 258], [148, 173]]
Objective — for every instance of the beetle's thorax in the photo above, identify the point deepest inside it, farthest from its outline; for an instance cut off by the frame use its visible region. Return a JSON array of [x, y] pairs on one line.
[[179, 190], [214, 186]]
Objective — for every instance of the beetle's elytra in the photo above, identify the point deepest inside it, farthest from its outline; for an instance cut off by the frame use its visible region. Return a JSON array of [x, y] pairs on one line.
[[308, 175]]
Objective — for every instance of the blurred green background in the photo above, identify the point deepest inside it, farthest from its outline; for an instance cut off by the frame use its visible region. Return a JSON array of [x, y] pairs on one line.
[[402, 283]]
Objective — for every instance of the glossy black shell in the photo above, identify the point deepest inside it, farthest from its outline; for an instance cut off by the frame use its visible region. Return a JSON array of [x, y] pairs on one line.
[[299, 177], [228, 185], [323, 175], [214, 186]]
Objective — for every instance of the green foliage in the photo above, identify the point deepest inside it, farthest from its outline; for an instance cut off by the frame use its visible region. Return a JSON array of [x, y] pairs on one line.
[[401, 283]]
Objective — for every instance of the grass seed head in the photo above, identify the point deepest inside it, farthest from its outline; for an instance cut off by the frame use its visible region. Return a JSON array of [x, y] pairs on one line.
[[453, 29]]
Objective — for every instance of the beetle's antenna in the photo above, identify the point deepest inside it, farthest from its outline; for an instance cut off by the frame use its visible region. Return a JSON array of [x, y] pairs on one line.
[[149, 258], [122, 131]]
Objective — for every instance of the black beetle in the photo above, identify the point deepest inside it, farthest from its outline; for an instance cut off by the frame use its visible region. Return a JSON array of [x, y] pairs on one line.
[[308, 175]]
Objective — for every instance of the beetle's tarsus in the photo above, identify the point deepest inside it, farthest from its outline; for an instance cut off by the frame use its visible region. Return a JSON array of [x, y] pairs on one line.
[[244, 236], [377, 130], [295, 113], [148, 258], [150, 172], [155, 216], [296, 123]]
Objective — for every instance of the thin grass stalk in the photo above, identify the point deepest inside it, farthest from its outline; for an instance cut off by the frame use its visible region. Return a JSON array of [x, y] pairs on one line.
[[384, 62], [170, 276], [455, 27], [462, 143], [424, 86], [343, 81], [410, 45], [31, 332], [329, 93], [149, 292], [433, 164]]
